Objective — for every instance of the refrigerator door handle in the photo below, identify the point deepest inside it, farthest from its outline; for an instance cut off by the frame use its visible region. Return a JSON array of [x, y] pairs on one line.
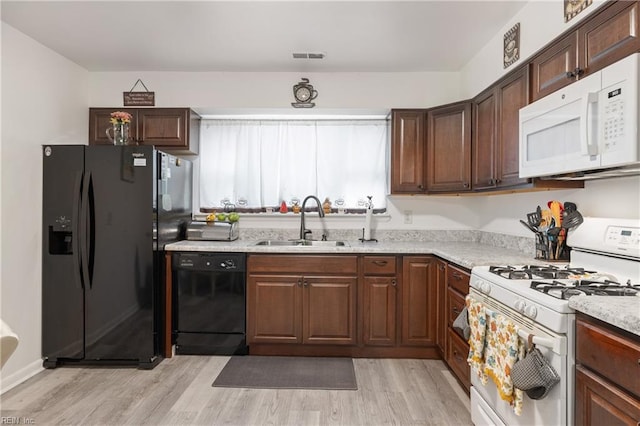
[[91, 232], [76, 242], [83, 234]]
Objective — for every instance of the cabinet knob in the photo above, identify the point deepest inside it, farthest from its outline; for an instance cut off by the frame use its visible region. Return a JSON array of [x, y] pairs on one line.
[[306, 283], [577, 72], [421, 187], [492, 181], [299, 283], [394, 283], [441, 267], [465, 185]]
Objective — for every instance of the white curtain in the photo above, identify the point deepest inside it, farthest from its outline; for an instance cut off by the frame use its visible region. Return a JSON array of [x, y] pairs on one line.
[[256, 164]]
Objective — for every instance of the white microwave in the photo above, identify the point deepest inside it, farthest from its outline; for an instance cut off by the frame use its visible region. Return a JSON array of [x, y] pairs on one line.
[[588, 126]]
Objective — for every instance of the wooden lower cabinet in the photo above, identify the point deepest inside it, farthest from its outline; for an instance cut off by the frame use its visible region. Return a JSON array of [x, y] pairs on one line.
[[419, 301], [302, 299], [457, 351], [607, 374], [302, 309], [379, 311], [441, 316], [457, 347], [345, 305], [600, 402]]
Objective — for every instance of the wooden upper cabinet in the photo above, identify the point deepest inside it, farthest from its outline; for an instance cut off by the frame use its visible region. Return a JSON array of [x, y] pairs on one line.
[[485, 146], [549, 69], [512, 94], [449, 148], [604, 38], [100, 121], [609, 36], [175, 130], [407, 151]]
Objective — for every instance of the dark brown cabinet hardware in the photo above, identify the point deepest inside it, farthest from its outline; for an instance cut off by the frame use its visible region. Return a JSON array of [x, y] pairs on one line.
[[380, 262], [299, 283], [394, 283], [575, 73]]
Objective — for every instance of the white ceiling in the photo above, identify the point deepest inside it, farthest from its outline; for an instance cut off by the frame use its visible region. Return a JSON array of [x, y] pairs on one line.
[[356, 36]]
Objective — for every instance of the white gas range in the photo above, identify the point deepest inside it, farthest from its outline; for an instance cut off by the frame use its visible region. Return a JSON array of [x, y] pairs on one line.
[[605, 260]]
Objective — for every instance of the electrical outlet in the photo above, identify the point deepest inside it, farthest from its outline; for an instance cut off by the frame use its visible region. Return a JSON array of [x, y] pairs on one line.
[[408, 217]]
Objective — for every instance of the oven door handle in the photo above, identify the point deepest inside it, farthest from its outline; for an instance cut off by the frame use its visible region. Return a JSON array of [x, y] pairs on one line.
[[553, 344]]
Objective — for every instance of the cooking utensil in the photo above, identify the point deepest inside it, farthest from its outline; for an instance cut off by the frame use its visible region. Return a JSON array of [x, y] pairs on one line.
[[556, 211], [528, 226], [534, 219], [552, 234], [569, 207], [572, 220]]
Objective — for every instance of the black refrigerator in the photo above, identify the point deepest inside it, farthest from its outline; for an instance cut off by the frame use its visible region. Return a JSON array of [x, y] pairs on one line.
[[108, 212]]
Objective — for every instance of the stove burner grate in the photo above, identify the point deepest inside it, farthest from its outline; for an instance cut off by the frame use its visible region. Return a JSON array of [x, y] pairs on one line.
[[564, 290], [537, 271]]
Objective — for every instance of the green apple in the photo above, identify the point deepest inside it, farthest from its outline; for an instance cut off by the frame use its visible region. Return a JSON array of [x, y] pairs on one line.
[[221, 217], [234, 217]]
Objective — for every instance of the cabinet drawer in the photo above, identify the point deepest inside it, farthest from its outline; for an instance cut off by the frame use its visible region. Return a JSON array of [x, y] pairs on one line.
[[609, 353], [455, 305], [458, 279], [303, 264], [457, 351], [379, 265]]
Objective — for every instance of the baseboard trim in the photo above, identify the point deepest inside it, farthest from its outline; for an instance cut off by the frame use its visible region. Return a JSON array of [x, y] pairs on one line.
[[20, 376]]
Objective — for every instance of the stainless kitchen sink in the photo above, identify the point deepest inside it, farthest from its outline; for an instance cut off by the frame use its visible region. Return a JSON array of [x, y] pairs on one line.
[[302, 243]]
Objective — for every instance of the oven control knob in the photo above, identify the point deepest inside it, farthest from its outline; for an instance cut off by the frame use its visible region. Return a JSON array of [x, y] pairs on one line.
[[520, 305], [485, 287], [531, 311]]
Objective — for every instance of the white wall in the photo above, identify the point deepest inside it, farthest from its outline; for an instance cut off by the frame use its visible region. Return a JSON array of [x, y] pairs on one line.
[[44, 101], [208, 92]]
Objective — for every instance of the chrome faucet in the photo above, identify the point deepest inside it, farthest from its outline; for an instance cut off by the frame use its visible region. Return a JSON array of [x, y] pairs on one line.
[[303, 230]]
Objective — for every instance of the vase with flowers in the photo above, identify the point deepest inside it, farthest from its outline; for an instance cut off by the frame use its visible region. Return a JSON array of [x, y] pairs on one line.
[[120, 122]]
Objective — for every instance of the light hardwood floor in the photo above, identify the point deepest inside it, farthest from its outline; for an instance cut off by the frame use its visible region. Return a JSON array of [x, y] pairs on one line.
[[179, 391]]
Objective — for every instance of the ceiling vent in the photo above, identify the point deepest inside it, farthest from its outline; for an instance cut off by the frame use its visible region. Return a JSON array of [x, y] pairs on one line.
[[308, 55]]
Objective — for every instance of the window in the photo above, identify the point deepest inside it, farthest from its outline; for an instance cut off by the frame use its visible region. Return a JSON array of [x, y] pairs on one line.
[[257, 164]]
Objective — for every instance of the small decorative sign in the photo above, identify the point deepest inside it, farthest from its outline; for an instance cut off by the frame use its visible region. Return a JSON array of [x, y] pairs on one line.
[[512, 45], [135, 99], [573, 7]]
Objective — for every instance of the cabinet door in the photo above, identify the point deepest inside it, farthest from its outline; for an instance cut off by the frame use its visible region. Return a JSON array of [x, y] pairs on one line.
[[484, 140], [99, 122], [164, 127], [441, 317], [274, 309], [418, 301], [379, 310], [329, 310], [549, 69], [449, 148], [407, 151], [610, 36], [512, 94], [599, 402]]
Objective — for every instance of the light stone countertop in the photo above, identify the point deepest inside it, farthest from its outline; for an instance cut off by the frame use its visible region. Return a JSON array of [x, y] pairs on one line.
[[622, 311], [464, 253]]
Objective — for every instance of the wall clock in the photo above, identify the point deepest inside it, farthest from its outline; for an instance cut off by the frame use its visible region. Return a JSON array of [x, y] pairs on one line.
[[304, 93]]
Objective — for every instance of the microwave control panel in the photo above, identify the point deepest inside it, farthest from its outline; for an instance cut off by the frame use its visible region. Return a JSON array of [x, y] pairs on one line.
[[613, 119]]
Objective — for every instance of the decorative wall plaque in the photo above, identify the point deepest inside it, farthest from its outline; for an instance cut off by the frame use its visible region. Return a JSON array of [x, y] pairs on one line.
[[512, 45], [573, 7], [136, 99]]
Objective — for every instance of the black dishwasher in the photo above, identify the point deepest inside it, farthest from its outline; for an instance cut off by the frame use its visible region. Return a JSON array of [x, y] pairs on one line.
[[209, 311]]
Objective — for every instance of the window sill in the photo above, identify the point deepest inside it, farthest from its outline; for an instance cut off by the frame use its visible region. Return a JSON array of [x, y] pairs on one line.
[[288, 217]]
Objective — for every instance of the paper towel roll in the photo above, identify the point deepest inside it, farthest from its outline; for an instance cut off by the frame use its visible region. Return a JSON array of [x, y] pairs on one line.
[[367, 224]]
